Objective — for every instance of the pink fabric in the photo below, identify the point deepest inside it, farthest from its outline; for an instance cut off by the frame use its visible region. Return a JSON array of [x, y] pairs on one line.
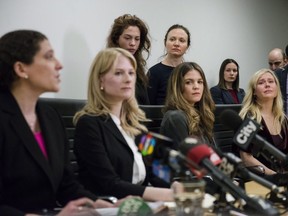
[[40, 141]]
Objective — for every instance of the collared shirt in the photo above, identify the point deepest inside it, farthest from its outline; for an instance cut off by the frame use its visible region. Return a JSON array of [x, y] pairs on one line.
[[139, 170]]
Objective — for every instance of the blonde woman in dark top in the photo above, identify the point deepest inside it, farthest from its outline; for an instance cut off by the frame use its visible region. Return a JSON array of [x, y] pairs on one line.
[[227, 90], [108, 157], [263, 103]]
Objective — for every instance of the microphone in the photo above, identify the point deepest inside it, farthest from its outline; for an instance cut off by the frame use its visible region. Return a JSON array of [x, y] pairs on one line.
[[235, 165], [231, 165], [246, 132], [205, 156], [157, 152]]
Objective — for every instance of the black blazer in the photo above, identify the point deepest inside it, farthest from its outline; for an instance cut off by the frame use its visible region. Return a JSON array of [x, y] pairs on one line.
[[104, 157], [28, 181], [222, 96], [281, 74]]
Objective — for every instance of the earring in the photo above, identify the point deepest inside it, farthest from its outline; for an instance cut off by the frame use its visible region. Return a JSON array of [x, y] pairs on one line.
[[25, 76], [101, 88]]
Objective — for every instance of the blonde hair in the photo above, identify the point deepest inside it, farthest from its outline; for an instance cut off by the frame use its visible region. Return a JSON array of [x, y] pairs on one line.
[[252, 107], [201, 114], [97, 104]]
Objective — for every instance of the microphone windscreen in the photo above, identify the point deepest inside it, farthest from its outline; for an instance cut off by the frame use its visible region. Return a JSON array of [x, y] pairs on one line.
[[198, 153], [153, 144], [231, 119], [188, 143], [134, 206], [195, 149]]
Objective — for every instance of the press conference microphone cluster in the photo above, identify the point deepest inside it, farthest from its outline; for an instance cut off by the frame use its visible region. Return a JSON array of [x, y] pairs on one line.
[[246, 132], [154, 147], [198, 160], [204, 156]]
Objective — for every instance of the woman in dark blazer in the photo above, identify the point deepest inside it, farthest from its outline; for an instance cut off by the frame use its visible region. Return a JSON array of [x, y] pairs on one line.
[[227, 90], [35, 173], [108, 158]]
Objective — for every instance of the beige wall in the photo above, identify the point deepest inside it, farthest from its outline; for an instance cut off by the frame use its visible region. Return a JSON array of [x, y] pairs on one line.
[[241, 29]]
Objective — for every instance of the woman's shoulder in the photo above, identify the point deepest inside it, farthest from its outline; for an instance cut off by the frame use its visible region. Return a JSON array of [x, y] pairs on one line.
[[216, 89], [241, 90], [87, 118], [174, 114], [159, 67]]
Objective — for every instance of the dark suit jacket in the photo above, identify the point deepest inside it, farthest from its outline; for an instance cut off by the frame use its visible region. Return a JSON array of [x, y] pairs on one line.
[[222, 96], [104, 157], [281, 74], [29, 182]]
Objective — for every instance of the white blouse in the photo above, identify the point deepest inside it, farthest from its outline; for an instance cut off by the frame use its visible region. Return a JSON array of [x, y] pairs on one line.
[[139, 171]]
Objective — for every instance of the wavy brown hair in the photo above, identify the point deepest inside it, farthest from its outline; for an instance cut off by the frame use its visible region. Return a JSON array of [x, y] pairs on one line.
[[200, 116], [120, 24]]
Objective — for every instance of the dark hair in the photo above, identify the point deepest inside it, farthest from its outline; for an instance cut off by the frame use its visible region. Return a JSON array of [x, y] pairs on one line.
[[177, 26], [120, 24], [286, 51], [221, 82], [19, 45], [201, 114]]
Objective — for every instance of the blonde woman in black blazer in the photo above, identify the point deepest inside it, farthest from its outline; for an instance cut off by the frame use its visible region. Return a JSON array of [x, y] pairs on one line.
[[35, 173], [109, 162]]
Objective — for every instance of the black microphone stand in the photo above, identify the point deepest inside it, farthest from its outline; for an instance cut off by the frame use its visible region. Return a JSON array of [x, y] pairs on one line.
[[222, 206]]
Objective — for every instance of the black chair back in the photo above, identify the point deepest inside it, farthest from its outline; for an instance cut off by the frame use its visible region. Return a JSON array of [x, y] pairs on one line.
[[222, 134]]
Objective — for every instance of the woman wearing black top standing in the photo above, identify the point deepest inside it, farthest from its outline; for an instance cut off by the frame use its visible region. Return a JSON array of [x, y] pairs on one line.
[[131, 33]]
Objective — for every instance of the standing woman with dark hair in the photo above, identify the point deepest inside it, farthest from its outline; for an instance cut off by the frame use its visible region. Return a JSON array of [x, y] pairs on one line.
[[35, 171], [177, 41], [188, 107], [227, 90], [131, 33]]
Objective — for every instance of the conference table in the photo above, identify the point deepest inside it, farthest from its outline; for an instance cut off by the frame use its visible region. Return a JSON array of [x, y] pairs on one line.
[[168, 208], [252, 188]]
